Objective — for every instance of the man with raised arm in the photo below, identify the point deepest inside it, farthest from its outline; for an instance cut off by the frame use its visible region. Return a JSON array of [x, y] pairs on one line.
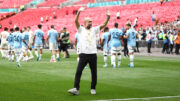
[[88, 50]]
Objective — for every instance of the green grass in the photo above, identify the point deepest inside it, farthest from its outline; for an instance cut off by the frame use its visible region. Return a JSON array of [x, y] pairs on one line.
[[45, 81]]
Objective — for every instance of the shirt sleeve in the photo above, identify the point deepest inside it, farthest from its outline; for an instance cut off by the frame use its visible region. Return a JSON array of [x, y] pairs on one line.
[[80, 29]]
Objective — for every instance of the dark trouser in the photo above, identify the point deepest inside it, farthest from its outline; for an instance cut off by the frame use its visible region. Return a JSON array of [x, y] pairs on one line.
[[64, 47], [84, 59], [137, 46], [125, 49], [177, 48], [149, 47], [171, 48], [165, 48]]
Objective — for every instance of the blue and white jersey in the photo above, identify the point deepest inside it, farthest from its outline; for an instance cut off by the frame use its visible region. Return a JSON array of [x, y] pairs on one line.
[[39, 36], [131, 41], [25, 36], [10, 39], [17, 40], [53, 34], [77, 38], [115, 37], [105, 37]]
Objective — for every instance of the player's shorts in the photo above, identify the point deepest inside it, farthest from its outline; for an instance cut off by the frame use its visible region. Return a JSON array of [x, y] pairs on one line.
[[131, 49], [107, 52], [53, 46], [4, 45], [38, 46], [17, 51], [78, 51], [116, 49], [24, 49], [10, 48]]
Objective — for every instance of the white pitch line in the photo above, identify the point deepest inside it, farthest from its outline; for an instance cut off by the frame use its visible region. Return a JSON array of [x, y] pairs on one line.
[[146, 98]]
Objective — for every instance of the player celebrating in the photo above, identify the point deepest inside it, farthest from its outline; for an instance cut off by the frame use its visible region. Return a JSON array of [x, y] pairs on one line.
[[39, 41], [10, 39], [31, 38], [88, 49], [25, 37], [104, 44], [18, 45], [131, 35], [4, 42], [52, 37], [116, 41]]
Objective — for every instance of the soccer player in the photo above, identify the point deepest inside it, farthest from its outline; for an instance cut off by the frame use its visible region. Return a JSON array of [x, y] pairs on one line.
[[39, 41], [116, 42], [25, 37], [131, 35], [52, 37], [4, 42], [18, 45], [104, 44], [10, 39], [88, 49], [31, 38]]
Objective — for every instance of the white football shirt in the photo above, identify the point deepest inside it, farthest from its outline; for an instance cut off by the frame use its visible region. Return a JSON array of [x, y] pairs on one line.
[[88, 39]]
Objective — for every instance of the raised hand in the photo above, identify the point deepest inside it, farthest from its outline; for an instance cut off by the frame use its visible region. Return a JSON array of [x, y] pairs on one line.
[[81, 9], [108, 12]]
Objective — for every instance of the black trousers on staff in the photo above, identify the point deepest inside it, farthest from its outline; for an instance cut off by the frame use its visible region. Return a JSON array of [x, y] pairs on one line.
[[125, 47], [165, 48], [137, 46], [177, 49], [171, 48], [149, 47], [84, 59]]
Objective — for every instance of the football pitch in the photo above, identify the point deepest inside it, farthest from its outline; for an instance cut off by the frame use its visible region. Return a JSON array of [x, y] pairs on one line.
[[152, 79]]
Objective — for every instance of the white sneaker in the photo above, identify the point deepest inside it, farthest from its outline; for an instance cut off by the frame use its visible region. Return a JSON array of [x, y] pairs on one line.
[[19, 65], [105, 65], [93, 91], [74, 91], [114, 66], [31, 57]]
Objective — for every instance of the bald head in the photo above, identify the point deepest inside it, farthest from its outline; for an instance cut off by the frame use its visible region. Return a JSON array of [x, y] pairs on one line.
[[87, 19], [87, 22]]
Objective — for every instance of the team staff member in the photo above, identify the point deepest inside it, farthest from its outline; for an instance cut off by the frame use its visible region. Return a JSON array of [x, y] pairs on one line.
[[64, 37], [177, 42], [88, 50]]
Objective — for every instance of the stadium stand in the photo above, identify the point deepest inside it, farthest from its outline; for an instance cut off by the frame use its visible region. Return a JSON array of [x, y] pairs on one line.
[[50, 3], [6, 15], [65, 17], [13, 3]]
